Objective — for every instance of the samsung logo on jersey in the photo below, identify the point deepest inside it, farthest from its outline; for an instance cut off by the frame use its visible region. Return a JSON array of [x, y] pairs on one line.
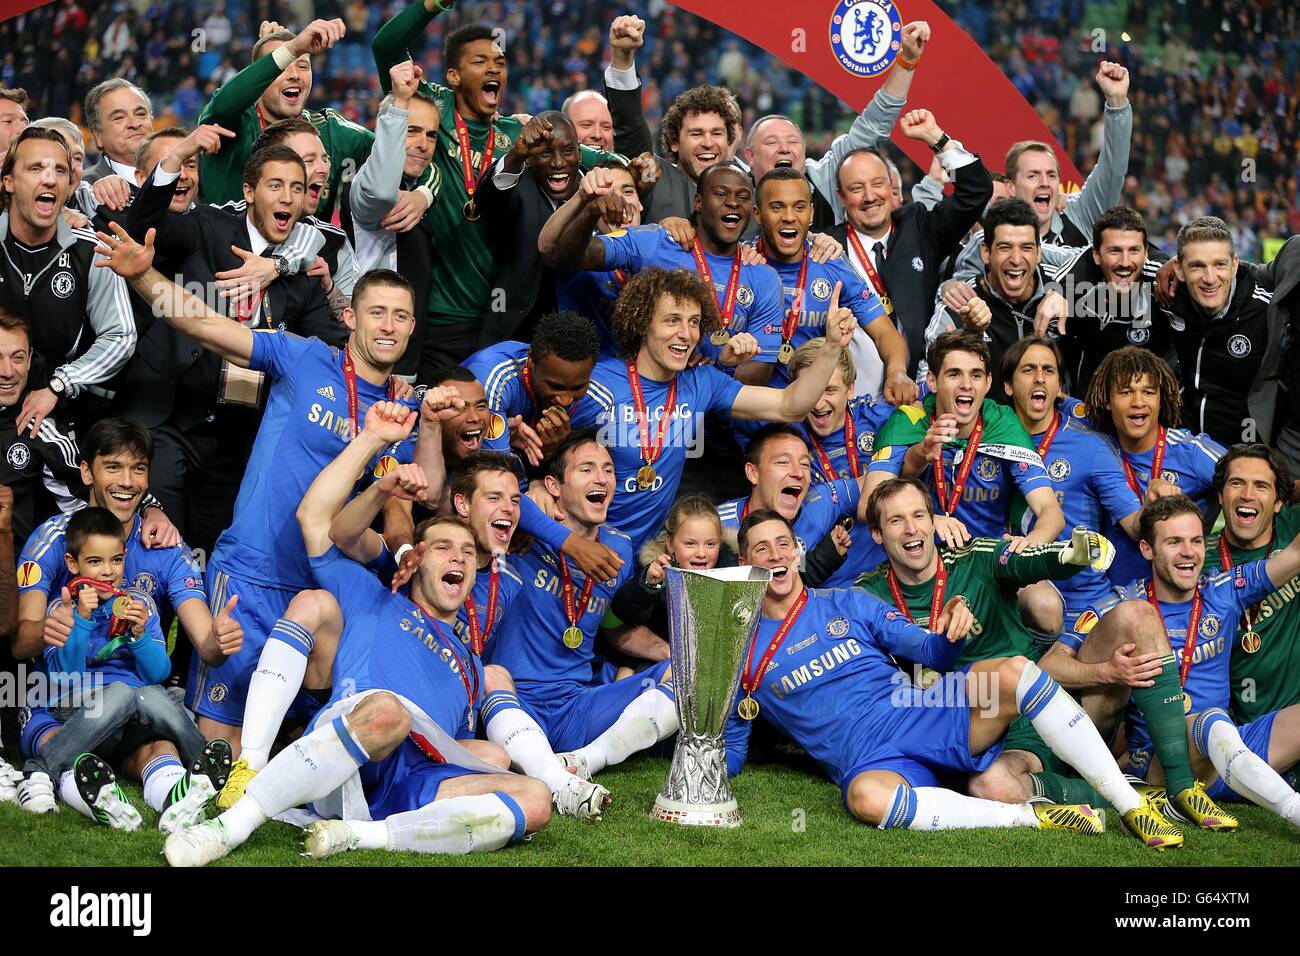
[[816, 667], [326, 419]]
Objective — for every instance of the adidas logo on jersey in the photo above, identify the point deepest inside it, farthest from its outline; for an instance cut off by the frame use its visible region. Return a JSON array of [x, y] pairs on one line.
[[327, 391]]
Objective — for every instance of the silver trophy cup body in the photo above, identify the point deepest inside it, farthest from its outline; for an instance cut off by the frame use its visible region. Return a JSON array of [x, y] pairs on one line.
[[712, 616]]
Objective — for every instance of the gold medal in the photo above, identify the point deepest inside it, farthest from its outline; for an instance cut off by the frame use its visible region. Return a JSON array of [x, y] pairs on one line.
[[747, 708], [785, 354], [572, 638], [645, 477], [1187, 703], [471, 211], [120, 605], [1251, 642], [887, 304], [719, 338]]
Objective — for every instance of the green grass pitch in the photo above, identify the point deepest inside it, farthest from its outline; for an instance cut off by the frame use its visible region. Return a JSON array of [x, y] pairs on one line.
[[791, 819]]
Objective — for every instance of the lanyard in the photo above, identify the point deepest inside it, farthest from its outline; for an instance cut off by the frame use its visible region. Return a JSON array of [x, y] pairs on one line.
[[1157, 463], [936, 601], [850, 450], [478, 637], [1050, 435], [464, 666], [749, 683], [949, 502], [650, 451], [733, 281], [1193, 629]]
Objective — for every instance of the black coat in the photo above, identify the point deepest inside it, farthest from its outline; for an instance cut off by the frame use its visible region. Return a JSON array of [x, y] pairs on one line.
[[523, 288]]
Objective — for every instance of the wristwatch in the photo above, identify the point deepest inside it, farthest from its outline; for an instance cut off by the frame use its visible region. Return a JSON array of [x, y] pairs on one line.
[[942, 143], [58, 387], [281, 265]]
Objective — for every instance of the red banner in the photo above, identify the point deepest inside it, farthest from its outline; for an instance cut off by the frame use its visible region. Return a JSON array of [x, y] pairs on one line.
[[971, 98]]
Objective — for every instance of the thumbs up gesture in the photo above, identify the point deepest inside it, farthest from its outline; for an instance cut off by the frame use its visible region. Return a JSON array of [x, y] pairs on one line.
[[229, 633]]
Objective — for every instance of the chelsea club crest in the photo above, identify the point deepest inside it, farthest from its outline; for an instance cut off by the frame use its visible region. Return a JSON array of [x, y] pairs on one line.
[[865, 35]]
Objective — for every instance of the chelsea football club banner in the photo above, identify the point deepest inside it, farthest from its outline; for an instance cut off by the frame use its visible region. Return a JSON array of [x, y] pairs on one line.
[[846, 47]]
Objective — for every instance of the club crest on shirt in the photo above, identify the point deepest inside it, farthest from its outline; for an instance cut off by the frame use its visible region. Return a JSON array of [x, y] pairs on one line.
[[1239, 346], [837, 626], [918, 264], [62, 284], [218, 693], [865, 35], [1170, 476], [146, 582], [987, 469], [18, 455], [1059, 469], [745, 295], [1210, 625], [501, 140], [821, 288], [866, 441], [1139, 336]]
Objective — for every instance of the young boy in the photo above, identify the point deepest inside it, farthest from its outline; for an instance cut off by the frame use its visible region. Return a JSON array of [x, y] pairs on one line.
[[109, 672]]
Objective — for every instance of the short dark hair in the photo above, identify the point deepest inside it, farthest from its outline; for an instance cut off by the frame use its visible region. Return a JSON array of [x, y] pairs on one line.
[[167, 132], [111, 435], [455, 42], [453, 519], [1121, 219], [859, 151], [12, 321], [558, 462], [886, 490], [634, 309], [957, 340], [1121, 368], [1008, 212], [766, 434], [726, 165], [566, 335], [700, 99], [30, 133], [87, 522], [448, 372], [382, 278], [1283, 480], [1012, 356], [1162, 509], [464, 477], [757, 518], [279, 153], [782, 174], [281, 130], [279, 36]]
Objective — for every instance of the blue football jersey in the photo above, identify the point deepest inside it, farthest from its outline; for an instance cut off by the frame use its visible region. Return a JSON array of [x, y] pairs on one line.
[[170, 573], [819, 284], [822, 507], [834, 674], [529, 644], [509, 585], [498, 368], [389, 643], [591, 294], [758, 309], [1189, 463], [636, 513], [868, 415], [304, 428]]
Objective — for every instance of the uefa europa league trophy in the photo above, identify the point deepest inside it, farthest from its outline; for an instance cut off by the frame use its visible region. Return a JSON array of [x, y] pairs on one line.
[[712, 616]]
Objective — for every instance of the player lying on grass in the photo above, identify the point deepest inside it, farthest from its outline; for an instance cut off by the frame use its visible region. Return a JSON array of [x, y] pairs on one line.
[[112, 665], [391, 761], [819, 669], [1198, 616]]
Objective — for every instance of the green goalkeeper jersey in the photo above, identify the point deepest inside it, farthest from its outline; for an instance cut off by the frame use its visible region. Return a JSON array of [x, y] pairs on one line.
[[234, 106], [463, 260], [1268, 679], [988, 576]]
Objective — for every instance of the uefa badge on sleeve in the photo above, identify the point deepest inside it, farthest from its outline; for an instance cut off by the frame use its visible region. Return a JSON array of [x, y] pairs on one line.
[[866, 35]]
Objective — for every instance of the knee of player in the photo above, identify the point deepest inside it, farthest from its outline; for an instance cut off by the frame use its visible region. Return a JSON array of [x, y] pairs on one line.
[[996, 783], [492, 753], [1139, 623], [496, 677], [313, 609], [534, 799], [868, 799], [1009, 671], [381, 720], [1041, 608]]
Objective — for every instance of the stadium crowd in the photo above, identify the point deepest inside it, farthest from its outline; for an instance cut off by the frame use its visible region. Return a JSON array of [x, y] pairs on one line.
[[348, 450]]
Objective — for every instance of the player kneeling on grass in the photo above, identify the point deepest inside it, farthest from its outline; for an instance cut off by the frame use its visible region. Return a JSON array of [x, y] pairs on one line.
[[819, 670], [113, 663], [391, 760]]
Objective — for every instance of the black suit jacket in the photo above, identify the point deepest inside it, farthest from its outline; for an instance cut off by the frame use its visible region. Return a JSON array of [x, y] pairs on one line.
[[514, 219], [919, 241], [171, 376]]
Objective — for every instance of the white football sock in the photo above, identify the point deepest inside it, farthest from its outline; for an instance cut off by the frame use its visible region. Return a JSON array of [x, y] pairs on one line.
[[160, 775], [272, 688], [72, 796], [1243, 770], [1065, 727], [460, 825], [647, 720], [933, 808], [507, 724], [311, 768]]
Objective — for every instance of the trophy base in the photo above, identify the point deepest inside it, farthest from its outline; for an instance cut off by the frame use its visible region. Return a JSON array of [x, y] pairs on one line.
[[725, 815]]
